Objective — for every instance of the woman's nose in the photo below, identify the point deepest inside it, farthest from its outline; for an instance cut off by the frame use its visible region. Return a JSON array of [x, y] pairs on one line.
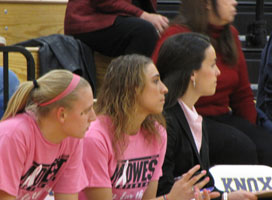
[[164, 88], [92, 116]]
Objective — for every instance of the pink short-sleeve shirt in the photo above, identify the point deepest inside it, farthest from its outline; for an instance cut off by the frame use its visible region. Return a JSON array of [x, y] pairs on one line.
[[128, 176], [30, 166]]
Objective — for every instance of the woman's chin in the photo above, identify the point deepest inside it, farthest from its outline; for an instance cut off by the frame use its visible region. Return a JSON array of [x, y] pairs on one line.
[[210, 93]]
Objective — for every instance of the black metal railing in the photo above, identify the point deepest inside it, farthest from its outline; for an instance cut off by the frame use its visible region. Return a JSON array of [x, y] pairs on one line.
[[30, 67]]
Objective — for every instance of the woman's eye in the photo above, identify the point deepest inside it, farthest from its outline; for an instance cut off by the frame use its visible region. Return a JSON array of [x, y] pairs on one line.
[[84, 112]]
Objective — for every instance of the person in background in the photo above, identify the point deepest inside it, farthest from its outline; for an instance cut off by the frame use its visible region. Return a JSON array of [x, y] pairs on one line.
[[115, 27], [230, 113], [13, 81], [263, 100], [13, 85], [129, 138], [187, 64], [40, 138]]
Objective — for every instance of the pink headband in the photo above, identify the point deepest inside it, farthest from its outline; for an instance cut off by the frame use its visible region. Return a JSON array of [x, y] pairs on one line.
[[74, 82]]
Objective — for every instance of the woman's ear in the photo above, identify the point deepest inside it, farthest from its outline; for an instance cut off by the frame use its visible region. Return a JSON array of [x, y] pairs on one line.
[[193, 76], [61, 114]]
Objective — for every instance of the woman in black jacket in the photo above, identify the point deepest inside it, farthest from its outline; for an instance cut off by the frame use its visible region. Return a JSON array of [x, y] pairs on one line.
[[187, 65]]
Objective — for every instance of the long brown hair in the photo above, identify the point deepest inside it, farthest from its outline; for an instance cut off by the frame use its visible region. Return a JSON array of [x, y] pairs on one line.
[[27, 97], [123, 81], [179, 56], [194, 15]]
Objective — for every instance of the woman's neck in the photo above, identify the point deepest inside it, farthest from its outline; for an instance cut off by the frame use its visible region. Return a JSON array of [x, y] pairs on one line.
[[135, 123], [190, 98], [50, 130]]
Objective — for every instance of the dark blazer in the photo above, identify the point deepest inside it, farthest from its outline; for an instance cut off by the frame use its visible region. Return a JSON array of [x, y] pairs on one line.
[[181, 154]]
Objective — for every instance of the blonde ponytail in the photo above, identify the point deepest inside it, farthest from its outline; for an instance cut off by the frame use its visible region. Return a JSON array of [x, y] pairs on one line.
[[28, 97], [19, 99]]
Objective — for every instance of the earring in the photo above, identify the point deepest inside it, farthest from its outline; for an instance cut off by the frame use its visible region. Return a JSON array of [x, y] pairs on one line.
[[194, 83]]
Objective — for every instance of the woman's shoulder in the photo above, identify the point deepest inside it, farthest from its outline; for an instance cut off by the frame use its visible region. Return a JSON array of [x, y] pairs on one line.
[[234, 30], [19, 129], [100, 129], [20, 123], [161, 130], [101, 122]]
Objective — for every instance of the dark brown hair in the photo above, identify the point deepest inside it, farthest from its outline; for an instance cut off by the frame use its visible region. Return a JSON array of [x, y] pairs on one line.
[[179, 56], [194, 15]]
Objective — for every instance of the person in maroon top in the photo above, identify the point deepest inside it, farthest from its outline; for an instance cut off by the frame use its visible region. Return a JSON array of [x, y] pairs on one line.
[[115, 27], [230, 113]]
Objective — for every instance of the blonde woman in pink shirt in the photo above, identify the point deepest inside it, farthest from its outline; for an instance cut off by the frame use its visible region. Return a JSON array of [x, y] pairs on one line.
[[124, 148], [40, 138]]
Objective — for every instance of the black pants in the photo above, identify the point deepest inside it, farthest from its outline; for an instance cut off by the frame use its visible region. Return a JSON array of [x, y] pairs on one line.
[[234, 140], [126, 36]]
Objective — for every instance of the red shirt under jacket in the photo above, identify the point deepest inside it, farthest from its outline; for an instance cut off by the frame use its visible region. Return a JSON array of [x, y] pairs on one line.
[[233, 87], [84, 16]]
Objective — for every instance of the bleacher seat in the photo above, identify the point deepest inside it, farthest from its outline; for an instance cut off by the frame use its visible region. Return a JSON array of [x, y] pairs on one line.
[[51, 16]]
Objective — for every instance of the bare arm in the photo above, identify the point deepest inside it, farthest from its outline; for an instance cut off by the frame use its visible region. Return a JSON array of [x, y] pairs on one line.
[[151, 190], [6, 196], [59, 196], [106, 193], [98, 193], [182, 189], [241, 195]]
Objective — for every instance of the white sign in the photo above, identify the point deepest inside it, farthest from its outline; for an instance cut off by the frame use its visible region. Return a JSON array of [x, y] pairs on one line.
[[252, 178]]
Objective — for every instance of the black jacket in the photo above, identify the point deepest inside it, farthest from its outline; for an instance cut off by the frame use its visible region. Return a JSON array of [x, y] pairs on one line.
[[64, 52], [264, 95], [181, 153]]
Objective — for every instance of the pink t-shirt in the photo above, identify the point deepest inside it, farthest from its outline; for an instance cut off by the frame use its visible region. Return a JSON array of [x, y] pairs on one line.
[[130, 175], [30, 166]]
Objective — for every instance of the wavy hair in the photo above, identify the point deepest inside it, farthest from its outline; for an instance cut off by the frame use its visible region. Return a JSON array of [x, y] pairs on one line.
[[123, 81]]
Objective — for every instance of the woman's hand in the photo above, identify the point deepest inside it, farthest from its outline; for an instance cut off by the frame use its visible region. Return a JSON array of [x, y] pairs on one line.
[[205, 194], [242, 195], [201, 195], [160, 22], [187, 187]]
